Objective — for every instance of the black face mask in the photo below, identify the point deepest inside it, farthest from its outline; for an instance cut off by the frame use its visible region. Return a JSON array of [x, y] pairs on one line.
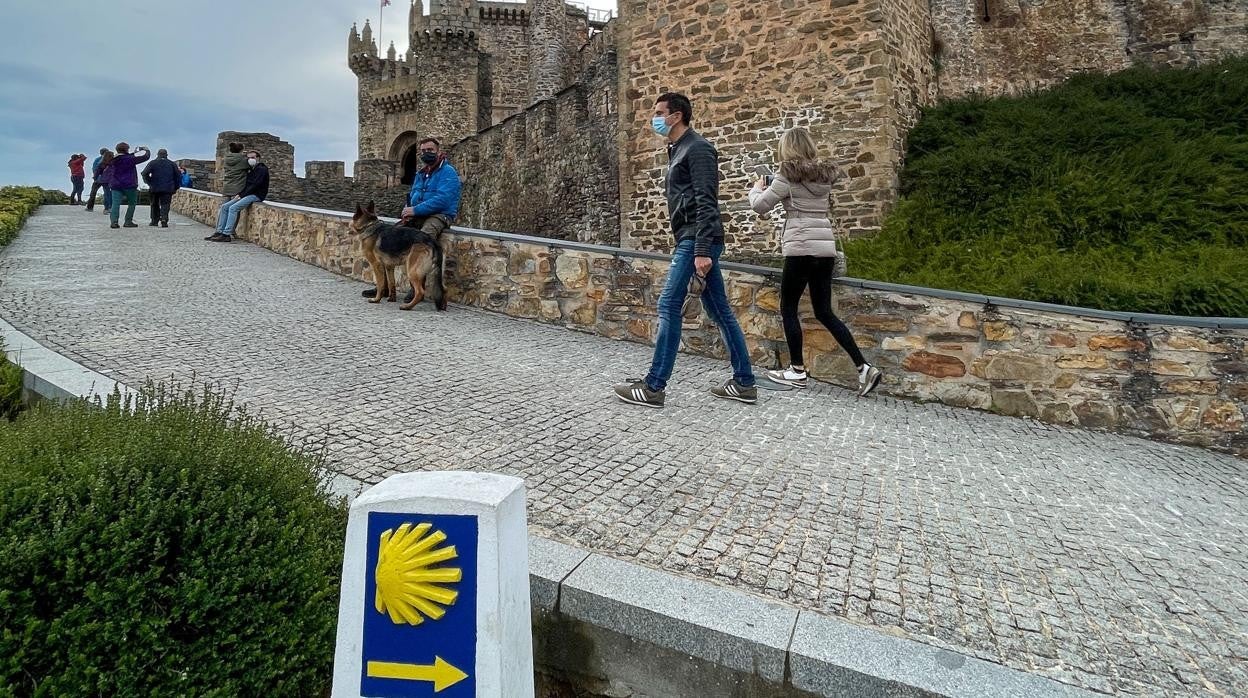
[[428, 158]]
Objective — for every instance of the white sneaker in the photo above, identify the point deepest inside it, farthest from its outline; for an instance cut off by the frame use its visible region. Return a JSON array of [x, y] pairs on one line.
[[868, 379], [789, 376]]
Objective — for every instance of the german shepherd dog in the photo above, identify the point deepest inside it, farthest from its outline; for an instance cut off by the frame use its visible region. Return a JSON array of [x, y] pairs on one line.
[[389, 245]]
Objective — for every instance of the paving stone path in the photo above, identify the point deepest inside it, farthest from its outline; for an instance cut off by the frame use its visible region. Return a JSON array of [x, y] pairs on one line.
[[1109, 562]]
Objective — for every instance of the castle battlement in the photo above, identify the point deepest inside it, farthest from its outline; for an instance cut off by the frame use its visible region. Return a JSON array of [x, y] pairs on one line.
[[503, 13]]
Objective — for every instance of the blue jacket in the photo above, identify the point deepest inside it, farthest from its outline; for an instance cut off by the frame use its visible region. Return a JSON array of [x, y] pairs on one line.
[[436, 192], [97, 172]]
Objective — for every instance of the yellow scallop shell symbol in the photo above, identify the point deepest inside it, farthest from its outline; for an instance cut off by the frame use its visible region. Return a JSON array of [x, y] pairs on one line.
[[407, 582]]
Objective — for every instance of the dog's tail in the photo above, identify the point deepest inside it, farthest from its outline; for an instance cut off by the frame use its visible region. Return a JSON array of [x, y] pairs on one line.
[[437, 290]]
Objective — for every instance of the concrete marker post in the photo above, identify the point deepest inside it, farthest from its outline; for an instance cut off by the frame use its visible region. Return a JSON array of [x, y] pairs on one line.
[[435, 590]]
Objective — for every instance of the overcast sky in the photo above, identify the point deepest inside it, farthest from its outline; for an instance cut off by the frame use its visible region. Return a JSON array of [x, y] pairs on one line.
[[77, 75]]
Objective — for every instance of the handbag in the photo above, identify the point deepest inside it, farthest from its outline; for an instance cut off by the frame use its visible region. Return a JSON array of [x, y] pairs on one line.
[[840, 263]]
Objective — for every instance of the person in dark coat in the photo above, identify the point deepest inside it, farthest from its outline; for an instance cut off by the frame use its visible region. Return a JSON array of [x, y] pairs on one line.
[[163, 179], [97, 181]]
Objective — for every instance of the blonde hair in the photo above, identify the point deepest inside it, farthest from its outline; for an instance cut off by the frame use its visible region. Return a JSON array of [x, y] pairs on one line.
[[797, 145]]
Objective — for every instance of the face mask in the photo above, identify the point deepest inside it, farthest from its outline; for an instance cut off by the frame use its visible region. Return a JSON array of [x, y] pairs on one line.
[[428, 158], [252, 162], [660, 125]]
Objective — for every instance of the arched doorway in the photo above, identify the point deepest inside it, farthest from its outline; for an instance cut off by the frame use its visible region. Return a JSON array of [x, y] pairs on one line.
[[406, 151]]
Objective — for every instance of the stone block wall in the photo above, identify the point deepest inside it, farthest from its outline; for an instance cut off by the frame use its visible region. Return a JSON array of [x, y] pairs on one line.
[[550, 170], [325, 184], [202, 172], [505, 37], [755, 69], [1185, 384], [1006, 46]]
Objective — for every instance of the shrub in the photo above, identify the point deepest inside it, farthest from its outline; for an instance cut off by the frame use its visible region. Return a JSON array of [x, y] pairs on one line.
[[10, 387], [170, 547], [1125, 192], [53, 197], [16, 205]]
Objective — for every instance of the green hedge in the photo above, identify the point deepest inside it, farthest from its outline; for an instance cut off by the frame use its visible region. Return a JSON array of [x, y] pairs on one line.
[[1123, 192], [16, 205], [10, 387], [172, 548]]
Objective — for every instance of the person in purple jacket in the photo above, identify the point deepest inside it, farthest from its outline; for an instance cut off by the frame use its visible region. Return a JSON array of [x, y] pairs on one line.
[[125, 182]]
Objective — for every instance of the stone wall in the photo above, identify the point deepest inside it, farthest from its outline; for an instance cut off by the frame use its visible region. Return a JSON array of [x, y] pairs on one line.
[[849, 70], [550, 170], [1006, 46], [1187, 384], [324, 184], [505, 37], [202, 172]]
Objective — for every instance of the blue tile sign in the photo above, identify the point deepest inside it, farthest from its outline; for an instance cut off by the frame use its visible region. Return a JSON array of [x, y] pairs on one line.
[[420, 607]]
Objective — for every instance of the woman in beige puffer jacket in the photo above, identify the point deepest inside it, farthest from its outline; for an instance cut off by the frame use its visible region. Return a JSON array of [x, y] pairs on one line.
[[809, 245]]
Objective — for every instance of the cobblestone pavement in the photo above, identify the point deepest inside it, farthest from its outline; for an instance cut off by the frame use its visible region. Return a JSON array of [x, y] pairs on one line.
[[1113, 563]]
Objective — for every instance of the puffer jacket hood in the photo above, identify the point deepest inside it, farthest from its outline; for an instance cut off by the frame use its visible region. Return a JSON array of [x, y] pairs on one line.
[[810, 171]]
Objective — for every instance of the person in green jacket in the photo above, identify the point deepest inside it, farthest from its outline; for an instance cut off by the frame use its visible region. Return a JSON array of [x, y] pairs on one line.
[[236, 169]]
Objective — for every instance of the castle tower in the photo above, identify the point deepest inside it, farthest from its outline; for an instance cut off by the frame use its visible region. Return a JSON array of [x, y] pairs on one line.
[[454, 17], [415, 20], [548, 34]]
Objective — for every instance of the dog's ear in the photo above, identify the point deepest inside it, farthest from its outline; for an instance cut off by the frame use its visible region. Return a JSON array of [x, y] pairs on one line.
[[358, 208], [372, 207]]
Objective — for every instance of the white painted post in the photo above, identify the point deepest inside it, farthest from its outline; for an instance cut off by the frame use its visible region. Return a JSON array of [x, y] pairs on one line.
[[435, 590]]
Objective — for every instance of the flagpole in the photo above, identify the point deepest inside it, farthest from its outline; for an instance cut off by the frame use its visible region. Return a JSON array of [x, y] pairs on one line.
[[381, 26]]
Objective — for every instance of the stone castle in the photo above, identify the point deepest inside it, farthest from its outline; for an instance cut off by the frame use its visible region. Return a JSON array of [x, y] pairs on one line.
[[544, 107]]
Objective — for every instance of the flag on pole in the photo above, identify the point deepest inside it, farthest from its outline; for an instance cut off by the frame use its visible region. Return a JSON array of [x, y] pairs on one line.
[[381, 23]]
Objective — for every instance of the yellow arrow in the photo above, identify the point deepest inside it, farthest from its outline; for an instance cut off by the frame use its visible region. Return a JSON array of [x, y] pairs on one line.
[[441, 673]]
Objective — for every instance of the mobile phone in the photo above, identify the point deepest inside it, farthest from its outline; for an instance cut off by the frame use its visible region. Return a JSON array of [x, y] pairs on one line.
[[764, 172]]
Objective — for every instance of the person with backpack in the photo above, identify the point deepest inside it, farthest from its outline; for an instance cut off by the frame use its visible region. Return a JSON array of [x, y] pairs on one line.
[[808, 242]]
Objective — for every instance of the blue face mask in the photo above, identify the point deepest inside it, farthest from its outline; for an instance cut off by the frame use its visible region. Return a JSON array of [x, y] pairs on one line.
[[660, 125]]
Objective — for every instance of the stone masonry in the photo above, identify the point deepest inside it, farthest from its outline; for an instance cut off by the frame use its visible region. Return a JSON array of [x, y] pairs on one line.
[[1181, 383], [1006, 46], [1103, 561], [325, 184]]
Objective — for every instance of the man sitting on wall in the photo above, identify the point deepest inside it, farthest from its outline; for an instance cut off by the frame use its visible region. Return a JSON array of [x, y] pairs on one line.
[[255, 188], [433, 201]]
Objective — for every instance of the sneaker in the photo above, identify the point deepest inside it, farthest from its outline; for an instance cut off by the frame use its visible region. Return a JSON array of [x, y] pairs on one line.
[[130, 224], [113, 225], [153, 224], [214, 237], [638, 393], [868, 379], [164, 224], [369, 293], [789, 376], [223, 238], [732, 390]]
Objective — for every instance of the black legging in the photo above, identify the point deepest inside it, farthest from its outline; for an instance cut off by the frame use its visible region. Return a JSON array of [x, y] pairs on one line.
[[817, 272]]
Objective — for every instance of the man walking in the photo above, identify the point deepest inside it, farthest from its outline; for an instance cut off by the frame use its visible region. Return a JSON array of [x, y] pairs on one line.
[[692, 185], [125, 182], [163, 179], [255, 188]]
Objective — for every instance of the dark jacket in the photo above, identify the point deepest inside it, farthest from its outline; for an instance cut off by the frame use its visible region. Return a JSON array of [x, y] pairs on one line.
[[692, 184], [257, 182], [162, 176], [126, 170]]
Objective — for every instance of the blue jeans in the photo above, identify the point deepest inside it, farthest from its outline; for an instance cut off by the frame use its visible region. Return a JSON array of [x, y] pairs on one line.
[[714, 300], [227, 213]]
